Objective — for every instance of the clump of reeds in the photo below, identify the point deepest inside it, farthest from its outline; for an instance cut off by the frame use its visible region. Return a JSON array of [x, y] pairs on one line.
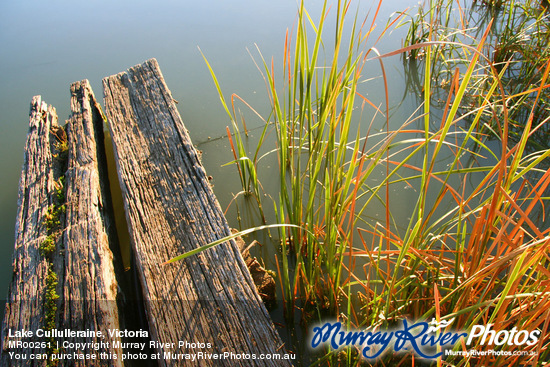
[[517, 47], [484, 259], [471, 251], [323, 156]]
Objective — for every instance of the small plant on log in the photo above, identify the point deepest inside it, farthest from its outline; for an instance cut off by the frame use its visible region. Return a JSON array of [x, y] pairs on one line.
[[47, 247], [52, 220]]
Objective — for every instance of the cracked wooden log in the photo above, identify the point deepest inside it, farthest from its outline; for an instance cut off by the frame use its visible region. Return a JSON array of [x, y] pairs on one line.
[[87, 275], [63, 266], [209, 298], [26, 293]]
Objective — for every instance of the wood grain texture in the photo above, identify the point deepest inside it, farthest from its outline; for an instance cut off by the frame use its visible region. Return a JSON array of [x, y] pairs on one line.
[[85, 266], [170, 208], [25, 302], [82, 259]]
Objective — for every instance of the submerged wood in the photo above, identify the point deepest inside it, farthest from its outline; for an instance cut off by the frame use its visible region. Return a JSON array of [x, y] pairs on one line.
[[63, 173], [208, 298], [264, 282]]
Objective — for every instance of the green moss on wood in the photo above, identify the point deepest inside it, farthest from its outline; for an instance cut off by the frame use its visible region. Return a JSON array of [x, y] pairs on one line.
[[52, 221], [47, 247], [51, 297]]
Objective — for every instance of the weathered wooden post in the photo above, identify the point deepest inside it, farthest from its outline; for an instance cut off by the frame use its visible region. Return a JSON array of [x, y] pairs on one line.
[[31, 269], [64, 276], [88, 282], [208, 299]]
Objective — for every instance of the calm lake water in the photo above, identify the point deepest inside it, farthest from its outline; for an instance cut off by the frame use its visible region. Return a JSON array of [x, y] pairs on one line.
[[48, 45]]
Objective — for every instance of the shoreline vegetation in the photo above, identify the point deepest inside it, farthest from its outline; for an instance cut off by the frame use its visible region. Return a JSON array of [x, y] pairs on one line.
[[475, 247]]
